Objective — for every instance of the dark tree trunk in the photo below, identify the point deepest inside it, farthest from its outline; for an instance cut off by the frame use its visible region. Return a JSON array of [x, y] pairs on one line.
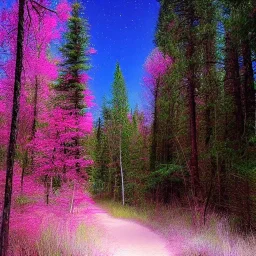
[[24, 166], [209, 115], [34, 121], [233, 90], [191, 82], [169, 132], [210, 86], [248, 206], [153, 153], [248, 89], [13, 134]]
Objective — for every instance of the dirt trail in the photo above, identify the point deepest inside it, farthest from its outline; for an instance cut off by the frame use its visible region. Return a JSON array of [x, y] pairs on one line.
[[127, 238]]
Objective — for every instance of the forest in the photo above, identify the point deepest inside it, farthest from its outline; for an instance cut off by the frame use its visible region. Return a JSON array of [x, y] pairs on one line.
[[175, 175]]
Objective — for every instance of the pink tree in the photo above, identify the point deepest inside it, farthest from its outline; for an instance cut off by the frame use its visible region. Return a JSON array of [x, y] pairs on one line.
[[156, 66], [41, 28], [58, 142], [39, 68]]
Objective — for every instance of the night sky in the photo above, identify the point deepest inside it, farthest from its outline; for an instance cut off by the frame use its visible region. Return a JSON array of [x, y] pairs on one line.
[[123, 31]]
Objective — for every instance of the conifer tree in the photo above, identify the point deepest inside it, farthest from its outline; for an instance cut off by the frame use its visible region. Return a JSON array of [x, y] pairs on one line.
[[71, 87], [116, 127], [120, 100], [75, 54], [120, 109]]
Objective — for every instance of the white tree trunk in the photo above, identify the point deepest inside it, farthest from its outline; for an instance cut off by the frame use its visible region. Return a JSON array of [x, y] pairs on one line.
[[72, 199], [121, 165]]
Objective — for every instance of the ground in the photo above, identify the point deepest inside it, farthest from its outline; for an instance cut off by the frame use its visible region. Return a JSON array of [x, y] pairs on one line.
[[125, 237]]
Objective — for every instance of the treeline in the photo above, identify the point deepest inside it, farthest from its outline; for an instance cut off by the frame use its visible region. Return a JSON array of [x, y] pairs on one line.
[[119, 148], [196, 141]]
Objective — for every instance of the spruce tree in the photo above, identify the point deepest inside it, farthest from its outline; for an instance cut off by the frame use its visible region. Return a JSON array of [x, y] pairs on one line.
[[120, 100], [116, 128], [72, 80], [120, 110], [75, 58]]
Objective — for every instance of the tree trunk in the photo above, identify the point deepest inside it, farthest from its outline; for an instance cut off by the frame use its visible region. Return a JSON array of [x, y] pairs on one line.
[[248, 89], [194, 170], [210, 92], [24, 166], [72, 198], [51, 185], [233, 90], [47, 188], [121, 165], [248, 205], [34, 121], [13, 134], [154, 131]]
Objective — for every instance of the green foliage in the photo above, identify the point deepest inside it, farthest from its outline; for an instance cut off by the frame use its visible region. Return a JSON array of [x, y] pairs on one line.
[[23, 200], [210, 43], [120, 107], [166, 173], [125, 212], [75, 58], [247, 168]]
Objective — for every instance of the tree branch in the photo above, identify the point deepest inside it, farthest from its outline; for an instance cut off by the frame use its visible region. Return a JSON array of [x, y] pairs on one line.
[[50, 10]]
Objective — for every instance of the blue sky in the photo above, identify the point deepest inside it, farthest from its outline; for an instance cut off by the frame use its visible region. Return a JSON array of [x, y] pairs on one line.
[[123, 31]]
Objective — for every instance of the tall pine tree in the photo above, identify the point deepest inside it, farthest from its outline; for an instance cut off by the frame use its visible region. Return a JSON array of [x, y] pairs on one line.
[[71, 86]]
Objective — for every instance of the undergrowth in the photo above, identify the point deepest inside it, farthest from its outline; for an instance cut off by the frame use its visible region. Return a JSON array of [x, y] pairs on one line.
[[23, 200], [117, 210], [58, 240]]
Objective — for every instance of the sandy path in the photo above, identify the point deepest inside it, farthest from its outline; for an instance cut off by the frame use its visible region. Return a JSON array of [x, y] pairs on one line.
[[127, 238]]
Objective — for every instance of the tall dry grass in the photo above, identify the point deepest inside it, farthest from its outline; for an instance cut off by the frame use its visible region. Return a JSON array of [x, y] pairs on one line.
[[58, 240]]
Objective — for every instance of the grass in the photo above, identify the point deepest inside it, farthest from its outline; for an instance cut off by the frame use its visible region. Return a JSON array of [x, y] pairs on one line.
[[23, 200], [117, 210], [176, 224], [58, 240]]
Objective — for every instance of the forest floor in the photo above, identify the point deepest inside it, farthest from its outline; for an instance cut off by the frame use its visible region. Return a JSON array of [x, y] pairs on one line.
[[40, 229]]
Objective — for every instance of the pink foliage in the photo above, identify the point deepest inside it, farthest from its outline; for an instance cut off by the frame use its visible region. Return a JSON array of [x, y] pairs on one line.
[[157, 63], [85, 78], [92, 51], [35, 216], [87, 123], [60, 127], [63, 10], [57, 128], [63, 127], [88, 97], [37, 65], [156, 66], [129, 117]]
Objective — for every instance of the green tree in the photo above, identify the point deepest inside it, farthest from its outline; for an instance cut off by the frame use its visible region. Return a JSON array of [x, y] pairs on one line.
[[75, 59], [120, 125], [120, 106], [72, 80]]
